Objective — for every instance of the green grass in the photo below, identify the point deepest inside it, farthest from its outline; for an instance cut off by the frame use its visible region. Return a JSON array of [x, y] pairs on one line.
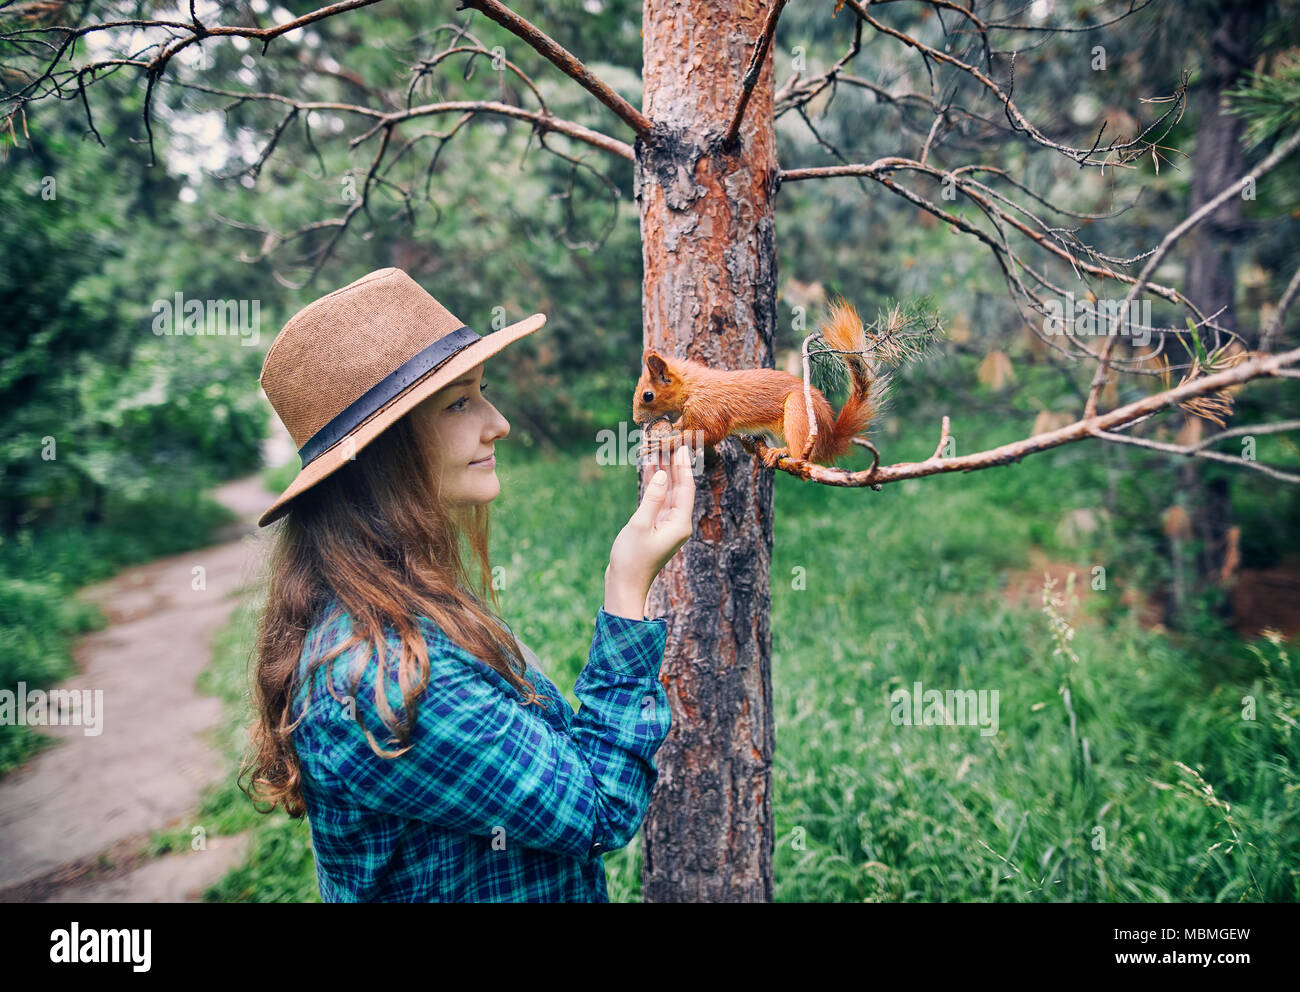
[[1078, 798], [277, 479]]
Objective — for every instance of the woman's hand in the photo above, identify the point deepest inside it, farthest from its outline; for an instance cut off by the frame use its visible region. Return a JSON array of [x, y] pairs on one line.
[[658, 528]]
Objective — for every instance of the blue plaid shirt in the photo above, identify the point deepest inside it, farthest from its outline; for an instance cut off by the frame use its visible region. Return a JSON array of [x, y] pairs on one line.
[[494, 801]]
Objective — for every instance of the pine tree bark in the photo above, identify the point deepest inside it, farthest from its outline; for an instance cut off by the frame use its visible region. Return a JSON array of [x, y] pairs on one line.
[[709, 293]]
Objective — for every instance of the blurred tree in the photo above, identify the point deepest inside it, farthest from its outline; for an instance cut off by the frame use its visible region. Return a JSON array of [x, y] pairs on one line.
[[92, 402]]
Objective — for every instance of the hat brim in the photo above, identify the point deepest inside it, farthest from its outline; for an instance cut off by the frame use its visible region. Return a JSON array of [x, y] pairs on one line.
[[335, 457]]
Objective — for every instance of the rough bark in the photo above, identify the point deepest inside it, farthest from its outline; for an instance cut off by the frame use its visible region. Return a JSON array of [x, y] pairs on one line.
[[709, 293]]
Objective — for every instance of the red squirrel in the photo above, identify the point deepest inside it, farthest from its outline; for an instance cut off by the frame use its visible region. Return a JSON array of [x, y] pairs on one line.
[[716, 403]]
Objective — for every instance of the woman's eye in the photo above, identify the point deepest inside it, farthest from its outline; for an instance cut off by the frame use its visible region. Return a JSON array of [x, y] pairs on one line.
[[460, 403]]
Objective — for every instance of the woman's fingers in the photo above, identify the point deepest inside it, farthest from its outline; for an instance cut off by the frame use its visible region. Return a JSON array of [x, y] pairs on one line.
[[653, 499], [674, 516], [661, 523], [681, 497]]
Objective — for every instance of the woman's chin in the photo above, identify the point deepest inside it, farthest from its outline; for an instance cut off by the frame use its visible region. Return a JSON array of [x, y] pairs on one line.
[[483, 490]]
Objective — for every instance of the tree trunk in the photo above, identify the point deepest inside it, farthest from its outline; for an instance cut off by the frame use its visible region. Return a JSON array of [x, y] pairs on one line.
[[1212, 272], [709, 293]]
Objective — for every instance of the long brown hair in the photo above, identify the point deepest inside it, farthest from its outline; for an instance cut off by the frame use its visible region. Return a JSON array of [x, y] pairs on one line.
[[374, 535]]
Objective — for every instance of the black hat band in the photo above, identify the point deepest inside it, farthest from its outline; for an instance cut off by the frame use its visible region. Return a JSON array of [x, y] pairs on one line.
[[385, 390]]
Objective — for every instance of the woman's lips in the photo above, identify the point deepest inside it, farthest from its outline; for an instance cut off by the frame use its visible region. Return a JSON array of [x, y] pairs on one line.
[[489, 462]]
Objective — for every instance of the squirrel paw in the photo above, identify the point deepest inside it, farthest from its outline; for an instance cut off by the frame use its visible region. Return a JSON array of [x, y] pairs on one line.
[[772, 456], [661, 443]]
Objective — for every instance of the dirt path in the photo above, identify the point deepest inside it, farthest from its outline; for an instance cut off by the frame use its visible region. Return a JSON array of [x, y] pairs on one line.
[[73, 819]]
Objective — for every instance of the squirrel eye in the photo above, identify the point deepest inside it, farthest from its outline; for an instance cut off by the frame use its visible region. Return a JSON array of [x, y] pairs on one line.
[[647, 396]]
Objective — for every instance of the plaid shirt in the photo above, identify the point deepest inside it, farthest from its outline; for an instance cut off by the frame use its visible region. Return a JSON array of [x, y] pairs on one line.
[[494, 801]]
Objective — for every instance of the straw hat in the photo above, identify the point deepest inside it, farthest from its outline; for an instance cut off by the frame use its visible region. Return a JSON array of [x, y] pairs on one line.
[[348, 365]]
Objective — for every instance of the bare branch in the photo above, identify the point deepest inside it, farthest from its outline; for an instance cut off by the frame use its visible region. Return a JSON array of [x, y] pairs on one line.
[[385, 124], [154, 67], [1198, 450], [1133, 8], [809, 411], [1229, 191], [880, 171], [751, 73], [1275, 325], [542, 121], [562, 59], [929, 138], [1126, 151], [944, 434], [425, 67]]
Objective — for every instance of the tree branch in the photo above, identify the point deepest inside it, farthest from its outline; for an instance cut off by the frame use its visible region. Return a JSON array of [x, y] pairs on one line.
[[751, 73], [1127, 151], [1253, 368], [154, 67], [881, 169], [1198, 451], [1275, 325], [562, 59], [1229, 191]]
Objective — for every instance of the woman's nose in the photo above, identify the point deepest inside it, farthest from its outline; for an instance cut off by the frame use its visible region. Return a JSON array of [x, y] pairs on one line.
[[501, 428]]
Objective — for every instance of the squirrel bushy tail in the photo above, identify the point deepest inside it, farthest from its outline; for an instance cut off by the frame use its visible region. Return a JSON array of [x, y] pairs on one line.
[[842, 330]]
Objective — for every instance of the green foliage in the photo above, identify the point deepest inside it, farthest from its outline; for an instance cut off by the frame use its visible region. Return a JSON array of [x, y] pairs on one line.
[[1078, 797], [904, 332], [1269, 102], [279, 867], [494, 225], [92, 399], [277, 479], [35, 623]]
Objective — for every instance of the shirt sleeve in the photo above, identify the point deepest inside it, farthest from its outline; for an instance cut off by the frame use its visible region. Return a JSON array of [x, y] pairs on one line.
[[481, 762]]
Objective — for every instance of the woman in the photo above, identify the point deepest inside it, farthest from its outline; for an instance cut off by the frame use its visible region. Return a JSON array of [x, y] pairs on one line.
[[395, 709]]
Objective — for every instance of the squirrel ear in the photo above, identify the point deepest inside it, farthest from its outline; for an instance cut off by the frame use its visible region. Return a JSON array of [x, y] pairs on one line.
[[656, 365]]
